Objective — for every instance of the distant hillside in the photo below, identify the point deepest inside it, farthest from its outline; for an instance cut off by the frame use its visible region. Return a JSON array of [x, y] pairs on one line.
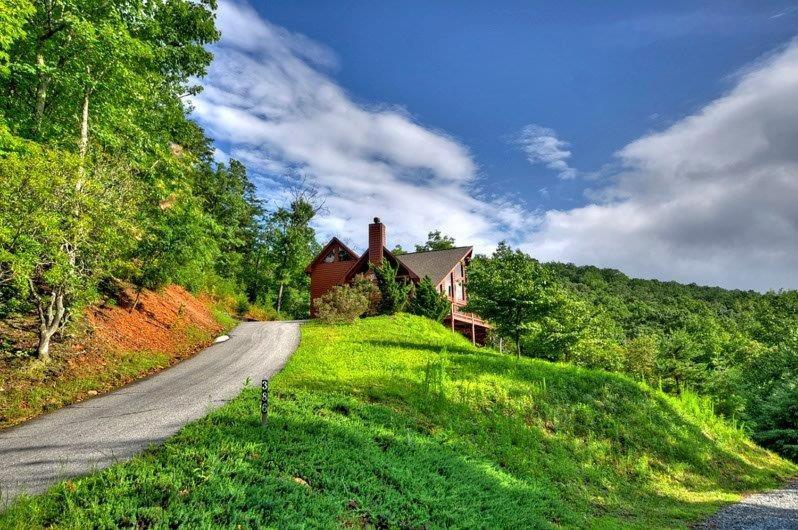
[[739, 347], [395, 422]]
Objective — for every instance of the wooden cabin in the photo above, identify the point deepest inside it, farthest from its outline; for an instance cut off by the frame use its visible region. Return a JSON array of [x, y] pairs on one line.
[[338, 264]]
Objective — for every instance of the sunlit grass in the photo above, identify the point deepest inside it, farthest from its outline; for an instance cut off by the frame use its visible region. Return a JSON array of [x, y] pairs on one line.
[[394, 422]]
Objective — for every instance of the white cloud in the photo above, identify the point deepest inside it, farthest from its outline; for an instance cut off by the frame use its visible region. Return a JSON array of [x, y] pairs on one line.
[[542, 146], [267, 95], [713, 199]]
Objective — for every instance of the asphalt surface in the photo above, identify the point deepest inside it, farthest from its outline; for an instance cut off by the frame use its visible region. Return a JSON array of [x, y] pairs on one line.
[[102, 431], [772, 510]]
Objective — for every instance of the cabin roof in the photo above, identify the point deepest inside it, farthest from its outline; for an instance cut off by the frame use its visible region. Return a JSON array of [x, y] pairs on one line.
[[435, 264]]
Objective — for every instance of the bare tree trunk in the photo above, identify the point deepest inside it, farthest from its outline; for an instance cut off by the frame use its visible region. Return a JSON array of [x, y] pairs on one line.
[[280, 298], [83, 144], [41, 90], [50, 318]]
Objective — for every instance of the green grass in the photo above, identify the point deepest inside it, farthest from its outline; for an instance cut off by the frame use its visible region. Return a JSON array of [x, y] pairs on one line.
[[394, 422]]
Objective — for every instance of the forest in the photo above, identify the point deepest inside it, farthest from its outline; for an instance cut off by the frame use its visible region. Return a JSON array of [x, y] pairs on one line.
[[738, 347], [106, 179]]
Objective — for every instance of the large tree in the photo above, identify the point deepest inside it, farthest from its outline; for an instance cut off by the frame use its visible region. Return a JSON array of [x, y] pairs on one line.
[[511, 290]]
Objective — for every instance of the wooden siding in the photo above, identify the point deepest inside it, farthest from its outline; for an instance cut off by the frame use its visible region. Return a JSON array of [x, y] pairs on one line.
[[324, 276]]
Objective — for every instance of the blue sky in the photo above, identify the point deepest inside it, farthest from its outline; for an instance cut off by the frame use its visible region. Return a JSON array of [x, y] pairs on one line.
[[541, 123]]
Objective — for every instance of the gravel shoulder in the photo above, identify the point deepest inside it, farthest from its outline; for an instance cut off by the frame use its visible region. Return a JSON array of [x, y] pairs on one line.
[[772, 510], [99, 432]]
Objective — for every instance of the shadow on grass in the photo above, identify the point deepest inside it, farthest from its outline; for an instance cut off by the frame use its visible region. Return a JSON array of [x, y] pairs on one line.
[[433, 348]]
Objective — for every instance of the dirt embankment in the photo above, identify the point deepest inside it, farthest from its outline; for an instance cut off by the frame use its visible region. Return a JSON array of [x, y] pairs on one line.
[[161, 321], [117, 343]]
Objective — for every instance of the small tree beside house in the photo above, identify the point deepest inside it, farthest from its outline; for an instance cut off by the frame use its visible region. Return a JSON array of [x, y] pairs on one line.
[[511, 290]]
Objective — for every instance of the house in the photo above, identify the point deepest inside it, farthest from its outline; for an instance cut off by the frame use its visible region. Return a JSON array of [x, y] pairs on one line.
[[337, 264]]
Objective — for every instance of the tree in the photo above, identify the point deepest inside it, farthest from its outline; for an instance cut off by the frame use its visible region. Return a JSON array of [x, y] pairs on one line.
[[436, 241], [393, 293], [398, 250], [511, 290], [426, 301], [288, 245], [65, 225]]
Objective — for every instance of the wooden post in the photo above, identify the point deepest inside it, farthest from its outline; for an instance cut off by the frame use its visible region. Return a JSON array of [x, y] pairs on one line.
[[452, 306], [473, 331]]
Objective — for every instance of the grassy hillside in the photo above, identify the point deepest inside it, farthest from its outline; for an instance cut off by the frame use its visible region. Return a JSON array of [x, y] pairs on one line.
[[394, 422]]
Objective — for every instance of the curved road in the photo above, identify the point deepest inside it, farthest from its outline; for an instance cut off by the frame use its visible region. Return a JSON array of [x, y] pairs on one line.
[[101, 431]]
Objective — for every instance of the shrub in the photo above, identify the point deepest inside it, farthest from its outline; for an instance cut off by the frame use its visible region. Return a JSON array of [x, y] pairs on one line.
[[342, 304], [394, 294], [367, 287], [427, 302]]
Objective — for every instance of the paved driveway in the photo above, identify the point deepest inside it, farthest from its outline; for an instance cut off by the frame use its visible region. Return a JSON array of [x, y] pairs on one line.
[[101, 431]]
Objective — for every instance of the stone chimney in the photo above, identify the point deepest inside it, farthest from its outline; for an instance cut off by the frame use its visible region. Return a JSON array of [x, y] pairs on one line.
[[377, 242]]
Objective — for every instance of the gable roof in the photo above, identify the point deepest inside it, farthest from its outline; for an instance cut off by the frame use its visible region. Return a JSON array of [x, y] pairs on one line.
[[362, 265], [326, 249], [434, 263]]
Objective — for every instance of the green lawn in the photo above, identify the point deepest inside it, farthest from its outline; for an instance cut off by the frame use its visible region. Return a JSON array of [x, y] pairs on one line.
[[394, 422]]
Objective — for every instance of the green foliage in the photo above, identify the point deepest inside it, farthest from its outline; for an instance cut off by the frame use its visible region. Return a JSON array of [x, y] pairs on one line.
[[280, 254], [512, 291], [394, 293], [97, 81], [734, 346], [64, 224], [13, 14], [426, 301], [435, 241], [342, 304], [421, 429]]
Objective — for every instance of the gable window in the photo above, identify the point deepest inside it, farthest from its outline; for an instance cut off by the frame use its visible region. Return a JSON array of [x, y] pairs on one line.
[[329, 258]]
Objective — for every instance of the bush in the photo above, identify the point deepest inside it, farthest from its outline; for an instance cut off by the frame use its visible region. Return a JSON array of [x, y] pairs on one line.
[[394, 295], [342, 304], [427, 302]]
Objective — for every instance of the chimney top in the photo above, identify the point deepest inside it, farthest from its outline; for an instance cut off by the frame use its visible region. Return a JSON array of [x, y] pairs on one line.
[[376, 220]]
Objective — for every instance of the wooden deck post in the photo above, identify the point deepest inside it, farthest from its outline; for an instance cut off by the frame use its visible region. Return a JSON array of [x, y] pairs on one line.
[[452, 315], [473, 331]]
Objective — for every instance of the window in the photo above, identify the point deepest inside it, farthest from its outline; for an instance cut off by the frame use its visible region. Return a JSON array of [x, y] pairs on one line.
[[343, 255], [459, 291], [329, 258], [460, 272]]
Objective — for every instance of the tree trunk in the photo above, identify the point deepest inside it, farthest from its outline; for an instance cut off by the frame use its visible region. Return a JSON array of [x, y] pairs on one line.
[[518, 344], [41, 90], [280, 298], [50, 318], [83, 144]]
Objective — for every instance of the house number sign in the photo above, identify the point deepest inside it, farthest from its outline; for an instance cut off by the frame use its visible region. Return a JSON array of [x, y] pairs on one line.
[[264, 401]]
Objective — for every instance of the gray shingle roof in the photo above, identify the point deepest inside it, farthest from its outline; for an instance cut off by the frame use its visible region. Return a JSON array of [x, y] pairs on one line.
[[435, 263]]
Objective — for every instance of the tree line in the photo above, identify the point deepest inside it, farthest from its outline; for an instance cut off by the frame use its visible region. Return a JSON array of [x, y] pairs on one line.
[[739, 347], [107, 179]]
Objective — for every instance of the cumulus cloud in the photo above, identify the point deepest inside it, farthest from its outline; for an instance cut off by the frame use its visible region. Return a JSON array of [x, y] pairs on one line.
[[542, 146], [268, 95], [713, 199]]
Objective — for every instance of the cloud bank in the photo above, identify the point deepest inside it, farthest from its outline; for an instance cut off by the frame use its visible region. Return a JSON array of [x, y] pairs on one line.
[[713, 199], [268, 96]]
